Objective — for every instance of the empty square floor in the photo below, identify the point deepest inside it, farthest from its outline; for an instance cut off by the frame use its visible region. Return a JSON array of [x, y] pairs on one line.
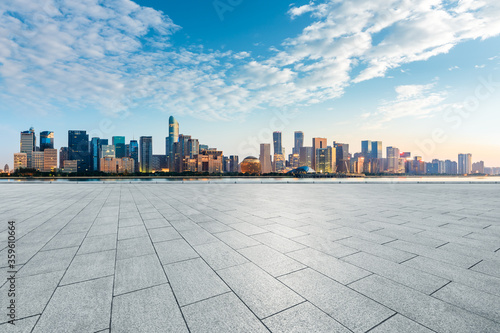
[[200, 257]]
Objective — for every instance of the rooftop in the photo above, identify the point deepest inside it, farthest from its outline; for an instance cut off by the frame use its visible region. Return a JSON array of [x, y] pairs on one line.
[[253, 257]]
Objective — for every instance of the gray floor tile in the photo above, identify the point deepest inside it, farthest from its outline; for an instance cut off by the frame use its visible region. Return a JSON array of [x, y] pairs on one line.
[[304, 318], [220, 314], [193, 280], [90, 266], [148, 310], [174, 251], [353, 310], [87, 305], [263, 294], [138, 273]]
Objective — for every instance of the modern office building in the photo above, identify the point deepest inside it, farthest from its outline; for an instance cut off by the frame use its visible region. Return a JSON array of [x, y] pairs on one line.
[[325, 160], [277, 143], [279, 163], [146, 153], [27, 146], [317, 143], [95, 148], [20, 161], [173, 137], [193, 147], [78, 149], [478, 167], [107, 151], [119, 143], [464, 164], [70, 166], [63, 156], [134, 154], [294, 160], [159, 163], [376, 149], [306, 157], [366, 148], [265, 158], [298, 142], [46, 140], [234, 163], [6, 168], [393, 156], [49, 159], [342, 157]]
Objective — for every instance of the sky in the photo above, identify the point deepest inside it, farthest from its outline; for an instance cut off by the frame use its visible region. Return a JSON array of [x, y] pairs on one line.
[[421, 76]]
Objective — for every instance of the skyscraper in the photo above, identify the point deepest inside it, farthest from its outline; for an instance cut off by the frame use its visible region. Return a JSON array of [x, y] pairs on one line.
[[119, 143], [306, 156], [95, 147], [392, 159], [278, 147], [46, 140], [49, 159], [317, 143], [173, 134], [299, 142], [366, 148], [146, 153], [325, 160], [28, 145], [342, 157], [376, 149], [134, 154], [265, 158], [78, 149], [63, 156], [464, 164]]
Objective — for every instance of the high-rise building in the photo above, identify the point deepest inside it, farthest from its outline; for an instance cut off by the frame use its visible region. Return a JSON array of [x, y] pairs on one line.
[[306, 156], [234, 163], [6, 168], [478, 167], [70, 166], [294, 161], [298, 142], [146, 153], [20, 161], [277, 143], [107, 151], [37, 160], [464, 164], [63, 156], [78, 149], [134, 154], [325, 160], [265, 158], [28, 141], [49, 159], [159, 163], [393, 159], [376, 149], [279, 163], [95, 147], [193, 147], [450, 167], [173, 137], [46, 140], [119, 143], [317, 143], [342, 157], [366, 148]]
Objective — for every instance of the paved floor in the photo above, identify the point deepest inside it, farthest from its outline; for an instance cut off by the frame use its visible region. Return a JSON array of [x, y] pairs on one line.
[[253, 258]]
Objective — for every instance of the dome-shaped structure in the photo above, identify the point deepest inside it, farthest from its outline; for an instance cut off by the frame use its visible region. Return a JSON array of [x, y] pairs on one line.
[[251, 165], [302, 170]]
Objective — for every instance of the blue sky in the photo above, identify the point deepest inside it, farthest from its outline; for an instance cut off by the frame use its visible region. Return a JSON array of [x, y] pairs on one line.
[[424, 78]]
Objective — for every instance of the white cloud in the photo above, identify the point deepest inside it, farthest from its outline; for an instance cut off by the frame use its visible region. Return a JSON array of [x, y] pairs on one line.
[[417, 101], [116, 55]]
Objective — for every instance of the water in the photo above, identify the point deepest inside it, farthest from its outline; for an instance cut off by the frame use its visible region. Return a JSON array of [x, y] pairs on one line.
[[259, 180]]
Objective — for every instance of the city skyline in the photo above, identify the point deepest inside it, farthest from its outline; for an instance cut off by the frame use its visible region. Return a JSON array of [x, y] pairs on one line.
[[184, 153], [235, 71]]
